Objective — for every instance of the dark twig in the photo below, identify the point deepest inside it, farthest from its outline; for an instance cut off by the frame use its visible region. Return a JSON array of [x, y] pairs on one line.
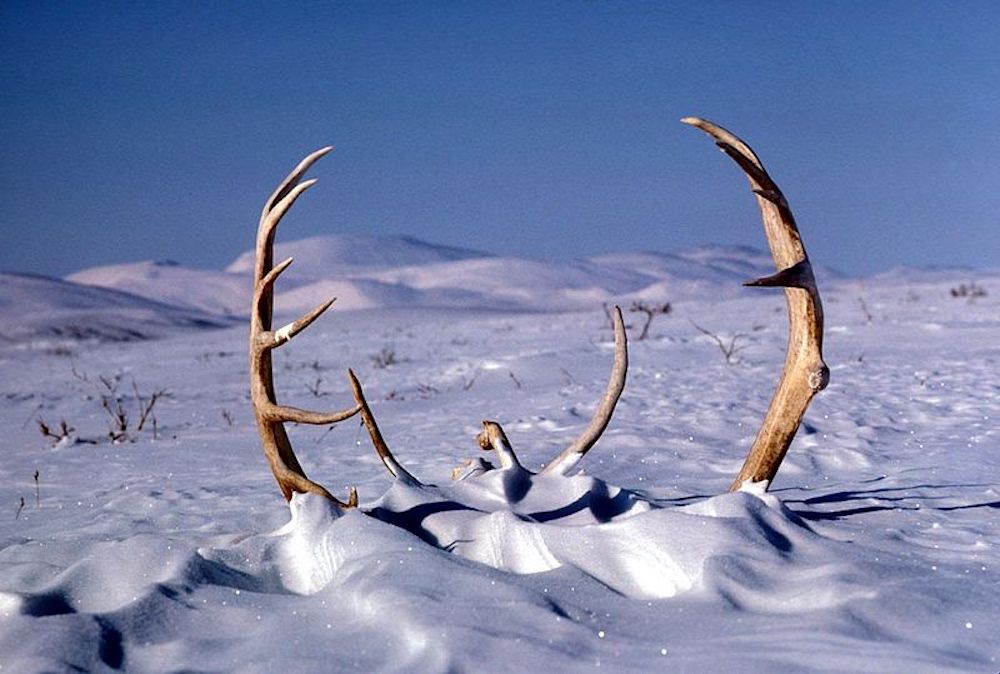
[[517, 382], [651, 310]]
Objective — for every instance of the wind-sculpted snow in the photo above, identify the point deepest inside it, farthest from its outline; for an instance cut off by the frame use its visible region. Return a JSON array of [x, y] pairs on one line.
[[874, 551], [390, 592], [379, 598], [644, 554]]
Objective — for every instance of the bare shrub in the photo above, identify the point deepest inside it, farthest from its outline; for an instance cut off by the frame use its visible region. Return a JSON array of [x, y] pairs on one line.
[[729, 349], [970, 291], [384, 358], [116, 405], [864, 310], [316, 387], [651, 310], [65, 430], [146, 408]]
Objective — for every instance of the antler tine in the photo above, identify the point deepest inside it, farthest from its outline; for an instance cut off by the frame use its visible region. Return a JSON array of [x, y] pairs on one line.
[[493, 437], [274, 208], [285, 333], [602, 415], [267, 281], [269, 415], [292, 179], [271, 340], [381, 448], [779, 225], [804, 373]]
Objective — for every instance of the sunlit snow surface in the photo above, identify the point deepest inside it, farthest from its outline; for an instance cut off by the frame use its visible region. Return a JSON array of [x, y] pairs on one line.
[[875, 550]]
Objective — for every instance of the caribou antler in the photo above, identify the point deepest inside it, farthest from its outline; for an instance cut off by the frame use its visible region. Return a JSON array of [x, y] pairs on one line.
[[493, 437], [270, 416], [394, 467], [570, 456], [804, 373]]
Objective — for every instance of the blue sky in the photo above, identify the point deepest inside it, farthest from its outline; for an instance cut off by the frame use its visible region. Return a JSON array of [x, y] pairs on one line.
[[136, 130]]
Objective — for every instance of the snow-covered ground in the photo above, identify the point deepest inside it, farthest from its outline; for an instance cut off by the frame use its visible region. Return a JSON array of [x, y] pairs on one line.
[[877, 548]]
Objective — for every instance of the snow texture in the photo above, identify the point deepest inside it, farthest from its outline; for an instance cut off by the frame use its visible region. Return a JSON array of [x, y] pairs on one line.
[[876, 550]]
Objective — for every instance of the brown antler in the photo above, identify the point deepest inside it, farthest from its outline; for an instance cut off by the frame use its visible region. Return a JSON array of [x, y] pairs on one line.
[[271, 416], [804, 373], [381, 447], [570, 456], [493, 436]]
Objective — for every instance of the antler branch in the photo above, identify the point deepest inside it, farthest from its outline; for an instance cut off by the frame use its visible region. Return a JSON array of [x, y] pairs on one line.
[[381, 447], [270, 416], [804, 373], [570, 456]]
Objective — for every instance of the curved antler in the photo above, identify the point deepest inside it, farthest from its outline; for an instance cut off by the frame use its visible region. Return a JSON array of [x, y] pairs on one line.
[[493, 437], [271, 416], [394, 467], [804, 373], [570, 456]]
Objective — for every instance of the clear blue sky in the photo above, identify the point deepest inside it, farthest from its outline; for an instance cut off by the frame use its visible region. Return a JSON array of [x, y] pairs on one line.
[[141, 130]]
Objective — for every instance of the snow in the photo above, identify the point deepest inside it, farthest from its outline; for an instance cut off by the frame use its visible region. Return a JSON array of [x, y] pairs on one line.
[[368, 271], [319, 256], [876, 549], [204, 289], [38, 307]]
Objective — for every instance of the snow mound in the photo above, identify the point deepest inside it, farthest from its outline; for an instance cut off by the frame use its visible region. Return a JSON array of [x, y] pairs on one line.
[[912, 275], [427, 608], [537, 285], [37, 307], [693, 270], [367, 271]]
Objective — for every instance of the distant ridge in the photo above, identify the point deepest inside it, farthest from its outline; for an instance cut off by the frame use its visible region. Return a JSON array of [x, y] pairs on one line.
[[144, 299], [930, 274], [333, 255], [34, 307], [369, 271], [211, 291]]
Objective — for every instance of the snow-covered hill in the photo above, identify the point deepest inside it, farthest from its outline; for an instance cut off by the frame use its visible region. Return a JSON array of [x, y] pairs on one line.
[[710, 264], [337, 255], [381, 271], [212, 291], [38, 307], [398, 272]]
